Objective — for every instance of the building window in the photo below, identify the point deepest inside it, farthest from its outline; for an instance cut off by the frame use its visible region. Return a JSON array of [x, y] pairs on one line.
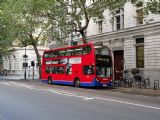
[[140, 16], [118, 22], [118, 19], [14, 63], [74, 43], [100, 26], [140, 52]]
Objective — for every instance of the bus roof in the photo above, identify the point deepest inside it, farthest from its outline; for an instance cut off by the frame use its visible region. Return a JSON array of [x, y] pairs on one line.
[[75, 46]]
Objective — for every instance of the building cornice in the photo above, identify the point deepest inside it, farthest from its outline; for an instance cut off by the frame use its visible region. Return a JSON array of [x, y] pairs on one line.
[[132, 31], [28, 48]]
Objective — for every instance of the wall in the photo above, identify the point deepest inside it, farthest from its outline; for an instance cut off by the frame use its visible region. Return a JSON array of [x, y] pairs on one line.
[[13, 62]]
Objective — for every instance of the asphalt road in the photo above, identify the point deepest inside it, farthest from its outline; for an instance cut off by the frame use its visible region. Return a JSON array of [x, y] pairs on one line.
[[39, 101]]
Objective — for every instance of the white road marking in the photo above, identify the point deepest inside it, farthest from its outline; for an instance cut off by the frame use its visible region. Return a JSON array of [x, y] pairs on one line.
[[70, 94], [88, 98], [128, 103], [75, 95], [11, 83], [158, 97], [64, 92]]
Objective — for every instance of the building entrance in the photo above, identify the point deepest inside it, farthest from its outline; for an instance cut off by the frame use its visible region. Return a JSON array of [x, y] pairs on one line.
[[118, 65]]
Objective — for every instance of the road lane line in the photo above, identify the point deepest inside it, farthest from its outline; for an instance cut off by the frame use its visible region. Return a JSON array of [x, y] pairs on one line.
[[70, 94], [128, 103]]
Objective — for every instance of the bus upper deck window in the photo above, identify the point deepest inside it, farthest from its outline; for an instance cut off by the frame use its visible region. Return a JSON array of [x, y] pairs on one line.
[[78, 51], [69, 52], [62, 53], [86, 50], [46, 55], [51, 55]]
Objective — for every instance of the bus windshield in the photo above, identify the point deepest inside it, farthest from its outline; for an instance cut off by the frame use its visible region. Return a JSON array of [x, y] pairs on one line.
[[103, 62]]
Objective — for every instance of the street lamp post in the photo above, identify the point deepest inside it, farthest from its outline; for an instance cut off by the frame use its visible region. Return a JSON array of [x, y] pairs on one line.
[[29, 72], [25, 64]]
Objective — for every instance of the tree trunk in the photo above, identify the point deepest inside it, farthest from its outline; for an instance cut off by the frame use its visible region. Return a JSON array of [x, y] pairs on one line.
[[39, 59], [83, 36]]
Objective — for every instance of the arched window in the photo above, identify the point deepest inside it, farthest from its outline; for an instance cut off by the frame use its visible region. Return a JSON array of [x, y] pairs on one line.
[[14, 64], [6, 61]]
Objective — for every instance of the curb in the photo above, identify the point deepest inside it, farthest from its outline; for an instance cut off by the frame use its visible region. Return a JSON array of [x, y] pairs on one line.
[[153, 93]]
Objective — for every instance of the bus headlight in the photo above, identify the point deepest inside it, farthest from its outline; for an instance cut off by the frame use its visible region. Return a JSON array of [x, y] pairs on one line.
[[97, 80]]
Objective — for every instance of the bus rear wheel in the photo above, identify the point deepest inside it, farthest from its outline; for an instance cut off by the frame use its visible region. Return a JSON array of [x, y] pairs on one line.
[[76, 82], [49, 80]]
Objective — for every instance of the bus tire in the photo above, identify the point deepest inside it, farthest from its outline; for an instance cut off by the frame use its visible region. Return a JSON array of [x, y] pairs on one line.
[[76, 82], [49, 80]]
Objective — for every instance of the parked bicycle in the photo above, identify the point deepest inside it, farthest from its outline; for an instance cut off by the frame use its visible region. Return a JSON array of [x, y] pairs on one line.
[[132, 78], [145, 82]]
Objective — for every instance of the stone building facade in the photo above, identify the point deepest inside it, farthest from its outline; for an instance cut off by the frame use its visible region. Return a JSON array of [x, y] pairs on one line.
[[133, 37], [15, 62]]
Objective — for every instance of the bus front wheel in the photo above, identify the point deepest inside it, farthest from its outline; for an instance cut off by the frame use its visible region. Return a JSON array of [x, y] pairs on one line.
[[49, 80], [77, 82]]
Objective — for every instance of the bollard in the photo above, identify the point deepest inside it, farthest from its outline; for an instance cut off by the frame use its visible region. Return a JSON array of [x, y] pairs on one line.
[[156, 85]]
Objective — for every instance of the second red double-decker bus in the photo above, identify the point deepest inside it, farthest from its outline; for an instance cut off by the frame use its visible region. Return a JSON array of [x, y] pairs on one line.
[[82, 65]]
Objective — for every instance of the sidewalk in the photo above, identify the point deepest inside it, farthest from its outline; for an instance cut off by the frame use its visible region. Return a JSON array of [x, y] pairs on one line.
[[138, 91], [10, 77], [13, 77]]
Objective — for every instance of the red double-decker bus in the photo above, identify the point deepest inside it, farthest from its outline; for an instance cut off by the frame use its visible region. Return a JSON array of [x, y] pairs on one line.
[[82, 65]]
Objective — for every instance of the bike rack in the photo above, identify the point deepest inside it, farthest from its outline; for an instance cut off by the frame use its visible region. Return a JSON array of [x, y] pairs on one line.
[[156, 85]]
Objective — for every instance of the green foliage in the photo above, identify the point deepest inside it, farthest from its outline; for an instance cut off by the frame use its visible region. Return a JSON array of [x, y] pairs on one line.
[[152, 6], [77, 11], [35, 21], [5, 30]]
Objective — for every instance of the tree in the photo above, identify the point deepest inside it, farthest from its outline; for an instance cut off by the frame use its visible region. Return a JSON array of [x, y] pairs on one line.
[[30, 27], [78, 10], [5, 31], [78, 13], [152, 6]]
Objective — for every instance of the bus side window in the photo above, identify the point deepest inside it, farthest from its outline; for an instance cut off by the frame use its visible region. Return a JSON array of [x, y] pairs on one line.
[[46, 55], [69, 52], [51, 69], [61, 70], [51, 55], [78, 51], [86, 50], [62, 52], [88, 70], [47, 70], [56, 53]]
